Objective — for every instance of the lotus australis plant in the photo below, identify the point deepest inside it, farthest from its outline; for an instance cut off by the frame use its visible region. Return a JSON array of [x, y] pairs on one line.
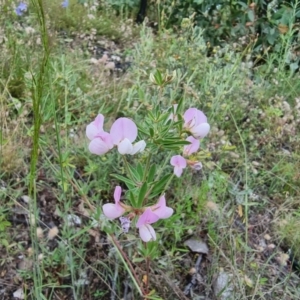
[[164, 131]]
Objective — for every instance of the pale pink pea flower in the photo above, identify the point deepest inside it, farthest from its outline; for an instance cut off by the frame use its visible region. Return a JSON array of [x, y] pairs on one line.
[[192, 147], [179, 164], [123, 133], [146, 231], [101, 141], [195, 122], [113, 211], [161, 209]]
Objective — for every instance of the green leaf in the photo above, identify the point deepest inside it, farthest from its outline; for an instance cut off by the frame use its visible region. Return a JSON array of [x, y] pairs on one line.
[[151, 116], [135, 174], [140, 171], [132, 199], [171, 147], [171, 142], [129, 183], [142, 194], [158, 78], [151, 131], [251, 15], [179, 107], [141, 94], [160, 185], [143, 130], [151, 173]]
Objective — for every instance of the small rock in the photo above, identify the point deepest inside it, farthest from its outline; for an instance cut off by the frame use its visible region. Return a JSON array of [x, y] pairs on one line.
[[222, 286], [212, 206], [262, 244], [94, 61], [192, 271], [26, 198], [19, 294], [103, 59], [73, 220], [267, 237], [110, 65], [116, 58], [282, 259], [39, 233], [53, 232], [29, 30], [25, 264], [197, 245], [271, 246], [83, 280]]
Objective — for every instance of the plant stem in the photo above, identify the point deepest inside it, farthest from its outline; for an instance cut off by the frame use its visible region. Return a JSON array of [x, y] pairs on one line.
[[147, 273], [125, 257]]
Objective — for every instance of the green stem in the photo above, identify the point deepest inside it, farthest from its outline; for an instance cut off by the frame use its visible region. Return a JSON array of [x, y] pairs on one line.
[[128, 169], [127, 262]]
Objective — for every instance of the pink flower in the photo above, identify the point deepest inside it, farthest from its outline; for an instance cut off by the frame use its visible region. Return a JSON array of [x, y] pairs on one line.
[[195, 122], [146, 231], [161, 209], [113, 211], [101, 141], [192, 148], [123, 133], [179, 164]]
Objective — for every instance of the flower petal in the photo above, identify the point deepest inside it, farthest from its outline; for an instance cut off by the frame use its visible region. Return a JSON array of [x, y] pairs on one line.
[[138, 147], [178, 171], [112, 211], [189, 115], [117, 194], [98, 146], [123, 128], [125, 147], [193, 147], [200, 131], [147, 233], [178, 161], [147, 217], [106, 137], [193, 117], [161, 209], [200, 117], [95, 128]]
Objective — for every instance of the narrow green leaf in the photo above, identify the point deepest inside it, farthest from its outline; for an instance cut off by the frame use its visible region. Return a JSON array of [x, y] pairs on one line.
[[140, 171], [134, 173], [143, 130], [174, 143], [151, 173], [151, 131], [129, 183], [160, 185], [179, 106], [251, 15], [142, 194], [132, 199], [151, 116], [158, 78]]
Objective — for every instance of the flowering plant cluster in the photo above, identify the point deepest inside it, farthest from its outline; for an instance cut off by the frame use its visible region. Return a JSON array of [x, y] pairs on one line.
[[195, 123], [170, 131], [22, 7]]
